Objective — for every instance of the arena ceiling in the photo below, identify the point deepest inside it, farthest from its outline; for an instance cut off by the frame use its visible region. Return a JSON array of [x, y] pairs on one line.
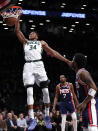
[[75, 34], [90, 8]]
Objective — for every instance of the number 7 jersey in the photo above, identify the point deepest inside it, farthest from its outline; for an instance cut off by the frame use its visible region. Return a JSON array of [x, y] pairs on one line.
[[33, 50], [65, 93]]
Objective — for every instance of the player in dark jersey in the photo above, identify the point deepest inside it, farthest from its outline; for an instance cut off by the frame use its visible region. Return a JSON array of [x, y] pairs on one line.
[[86, 90], [66, 92]]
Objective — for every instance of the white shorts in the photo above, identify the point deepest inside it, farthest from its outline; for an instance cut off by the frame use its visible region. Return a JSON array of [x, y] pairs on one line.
[[34, 72]]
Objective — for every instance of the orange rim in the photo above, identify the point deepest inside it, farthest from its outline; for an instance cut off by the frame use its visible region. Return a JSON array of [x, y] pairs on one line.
[[16, 7]]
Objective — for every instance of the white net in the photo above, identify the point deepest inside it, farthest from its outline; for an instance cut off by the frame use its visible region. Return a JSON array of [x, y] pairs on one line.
[[12, 12]]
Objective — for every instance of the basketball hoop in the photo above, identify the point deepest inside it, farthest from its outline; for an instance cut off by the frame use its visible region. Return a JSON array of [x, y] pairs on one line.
[[10, 15], [13, 11]]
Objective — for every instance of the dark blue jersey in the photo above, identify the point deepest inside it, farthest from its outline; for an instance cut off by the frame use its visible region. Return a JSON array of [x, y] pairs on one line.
[[65, 93], [82, 88]]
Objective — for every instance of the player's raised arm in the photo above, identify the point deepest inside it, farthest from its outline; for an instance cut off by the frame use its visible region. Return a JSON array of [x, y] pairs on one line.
[[56, 98], [86, 77], [74, 95], [18, 32], [54, 53]]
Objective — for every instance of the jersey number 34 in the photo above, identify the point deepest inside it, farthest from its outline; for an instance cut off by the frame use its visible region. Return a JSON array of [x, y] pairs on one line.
[[32, 47]]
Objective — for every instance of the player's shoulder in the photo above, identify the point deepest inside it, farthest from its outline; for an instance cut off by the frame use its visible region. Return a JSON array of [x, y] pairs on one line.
[[43, 43], [58, 88], [70, 84], [58, 85], [83, 73]]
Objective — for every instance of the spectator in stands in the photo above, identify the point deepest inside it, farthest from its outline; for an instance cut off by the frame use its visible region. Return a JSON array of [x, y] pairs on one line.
[[4, 115], [11, 123], [21, 123], [52, 121], [13, 115], [57, 120], [41, 123], [43, 113], [3, 125]]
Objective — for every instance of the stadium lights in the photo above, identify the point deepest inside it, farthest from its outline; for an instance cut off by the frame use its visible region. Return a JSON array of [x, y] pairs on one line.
[[47, 20], [82, 8], [64, 27], [41, 23], [63, 4], [43, 2], [84, 5], [4, 24], [73, 25], [87, 24], [33, 26], [71, 29], [77, 22], [30, 21], [19, 3], [1, 21], [6, 28]]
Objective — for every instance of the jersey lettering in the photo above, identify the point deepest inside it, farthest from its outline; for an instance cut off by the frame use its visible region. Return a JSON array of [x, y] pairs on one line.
[[64, 91], [33, 50], [32, 47]]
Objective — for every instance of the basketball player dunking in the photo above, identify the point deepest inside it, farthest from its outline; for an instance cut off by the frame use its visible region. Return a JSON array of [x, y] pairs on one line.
[[66, 92], [86, 90], [34, 71]]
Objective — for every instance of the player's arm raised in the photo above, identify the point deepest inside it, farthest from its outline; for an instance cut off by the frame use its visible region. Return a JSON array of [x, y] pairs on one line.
[[54, 53], [56, 97], [86, 77], [74, 95], [18, 32]]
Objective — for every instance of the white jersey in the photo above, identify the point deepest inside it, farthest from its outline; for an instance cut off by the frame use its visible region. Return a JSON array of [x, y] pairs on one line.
[[33, 50]]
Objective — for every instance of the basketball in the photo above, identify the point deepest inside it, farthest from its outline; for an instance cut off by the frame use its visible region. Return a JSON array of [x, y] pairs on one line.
[[10, 21]]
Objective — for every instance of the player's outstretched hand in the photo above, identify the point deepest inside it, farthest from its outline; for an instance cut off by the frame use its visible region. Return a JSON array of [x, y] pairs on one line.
[[81, 107]]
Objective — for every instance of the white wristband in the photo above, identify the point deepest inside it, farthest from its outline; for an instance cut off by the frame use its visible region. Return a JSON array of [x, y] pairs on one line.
[[91, 92]]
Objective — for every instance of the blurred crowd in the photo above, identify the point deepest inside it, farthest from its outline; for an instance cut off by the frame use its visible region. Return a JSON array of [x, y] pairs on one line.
[[9, 121]]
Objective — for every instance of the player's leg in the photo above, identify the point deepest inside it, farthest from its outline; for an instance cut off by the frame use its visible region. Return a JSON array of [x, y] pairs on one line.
[[94, 115], [85, 129], [28, 80], [30, 101], [46, 98], [42, 81], [63, 123], [89, 116], [92, 128], [74, 119], [71, 108], [63, 111]]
